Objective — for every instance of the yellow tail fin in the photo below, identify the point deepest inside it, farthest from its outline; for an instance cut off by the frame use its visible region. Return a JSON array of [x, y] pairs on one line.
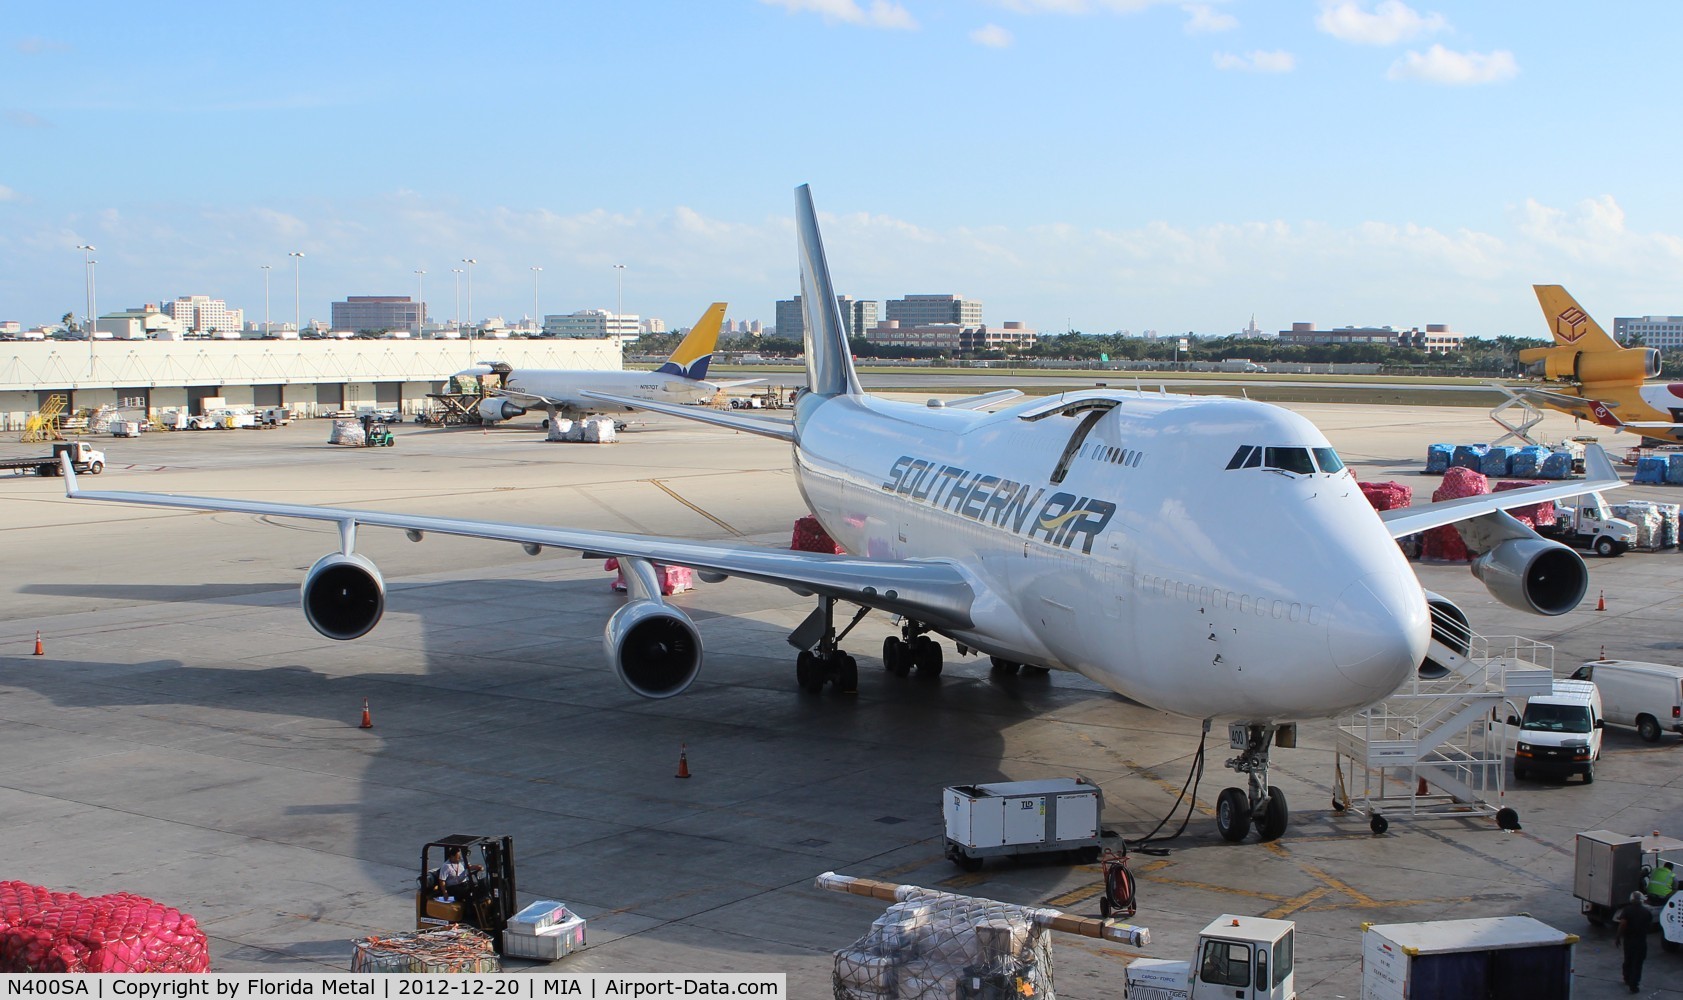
[[1571, 326]]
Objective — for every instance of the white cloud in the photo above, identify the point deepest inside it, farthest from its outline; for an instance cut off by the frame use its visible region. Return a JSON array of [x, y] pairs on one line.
[[1257, 62], [1081, 6], [1456, 69], [24, 119], [992, 36], [880, 14], [1388, 23], [1204, 19], [7, 194]]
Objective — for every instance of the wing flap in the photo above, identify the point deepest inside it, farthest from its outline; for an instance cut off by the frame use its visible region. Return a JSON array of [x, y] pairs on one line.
[[783, 430]]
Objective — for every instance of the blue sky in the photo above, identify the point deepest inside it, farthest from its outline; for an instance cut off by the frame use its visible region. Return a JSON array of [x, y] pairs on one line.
[[1111, 164]]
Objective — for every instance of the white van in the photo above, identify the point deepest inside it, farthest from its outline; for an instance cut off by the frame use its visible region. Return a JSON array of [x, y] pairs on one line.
[[1646, 697], [1561, 732]]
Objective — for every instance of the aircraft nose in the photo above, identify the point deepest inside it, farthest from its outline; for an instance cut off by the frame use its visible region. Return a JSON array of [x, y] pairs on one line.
[[1378, 633]]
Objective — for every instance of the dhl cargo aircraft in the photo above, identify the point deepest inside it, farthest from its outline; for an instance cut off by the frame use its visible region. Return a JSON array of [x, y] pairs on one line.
[[1205, 556], [1612, 386]]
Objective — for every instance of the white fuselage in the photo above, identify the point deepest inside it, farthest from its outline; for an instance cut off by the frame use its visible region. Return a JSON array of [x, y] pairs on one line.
[[1152, 568], [565, 387]]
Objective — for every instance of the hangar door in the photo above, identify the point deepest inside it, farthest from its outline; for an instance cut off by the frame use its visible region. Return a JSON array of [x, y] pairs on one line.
[[266, 395], [388, 394]]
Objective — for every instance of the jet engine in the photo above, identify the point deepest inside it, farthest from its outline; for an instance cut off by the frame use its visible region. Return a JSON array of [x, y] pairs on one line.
[[653, 647], [1628, 366], [1535, 575], [495, 408], [343, 596]]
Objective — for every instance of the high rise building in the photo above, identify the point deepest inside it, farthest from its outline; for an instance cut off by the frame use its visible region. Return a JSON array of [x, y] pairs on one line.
[[1663, 333], [858, 315], [203, 314], [379, 312], [925, 310]]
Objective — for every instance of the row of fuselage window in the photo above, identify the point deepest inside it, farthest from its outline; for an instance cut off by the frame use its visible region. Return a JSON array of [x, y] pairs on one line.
[[1110, 453], [1244, 604]]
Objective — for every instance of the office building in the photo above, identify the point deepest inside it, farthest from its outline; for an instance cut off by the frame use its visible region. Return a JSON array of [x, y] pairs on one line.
[[1437, 338], [858, 315], [1664, 333], [202, 314], [923, 310], [378, 312], [592, 324], [951, 338]]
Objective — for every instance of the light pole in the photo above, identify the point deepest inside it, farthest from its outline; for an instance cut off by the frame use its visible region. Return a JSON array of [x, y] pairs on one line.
[[266, 270], [535, 320], [619, 274], [458, 300], [420, 301], [297, 269], [470, 261], [88, 279]]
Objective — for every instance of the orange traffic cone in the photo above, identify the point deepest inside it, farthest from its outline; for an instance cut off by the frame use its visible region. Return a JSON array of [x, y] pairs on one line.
[[1601, 601], [367, 720], [683, 761], [1420, 787], [38, 650]]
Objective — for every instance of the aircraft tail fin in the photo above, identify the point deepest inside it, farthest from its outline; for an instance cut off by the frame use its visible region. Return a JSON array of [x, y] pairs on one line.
[[695, 352], [1570, 325], [829, 359]]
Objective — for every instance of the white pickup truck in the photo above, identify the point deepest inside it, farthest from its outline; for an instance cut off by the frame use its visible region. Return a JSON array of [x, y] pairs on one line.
[[1587, 522]]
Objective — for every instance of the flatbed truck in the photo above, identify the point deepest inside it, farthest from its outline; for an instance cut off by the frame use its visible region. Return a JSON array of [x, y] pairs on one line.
[[83, 458]]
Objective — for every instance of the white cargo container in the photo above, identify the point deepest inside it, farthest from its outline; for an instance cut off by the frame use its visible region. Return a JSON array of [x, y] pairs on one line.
[[1503, 958], [1022, 817]]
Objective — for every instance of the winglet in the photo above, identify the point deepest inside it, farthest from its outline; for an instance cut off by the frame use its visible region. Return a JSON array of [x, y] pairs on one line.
[[67, 469], [829, 359], [1598, 469], [695, 352]]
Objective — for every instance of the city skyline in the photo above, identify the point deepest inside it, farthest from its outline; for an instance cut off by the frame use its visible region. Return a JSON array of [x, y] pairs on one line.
[[1096, 164]]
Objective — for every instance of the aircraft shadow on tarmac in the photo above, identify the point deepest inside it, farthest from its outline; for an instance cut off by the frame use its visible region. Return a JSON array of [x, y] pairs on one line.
[[234, 593], [494, 713]]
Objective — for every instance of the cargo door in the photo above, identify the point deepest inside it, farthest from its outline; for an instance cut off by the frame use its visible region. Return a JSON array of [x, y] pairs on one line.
[[1025, 820], [1078, 817]]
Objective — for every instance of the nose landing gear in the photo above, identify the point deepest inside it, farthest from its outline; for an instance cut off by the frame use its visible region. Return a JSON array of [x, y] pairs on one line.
[[1260, 803]]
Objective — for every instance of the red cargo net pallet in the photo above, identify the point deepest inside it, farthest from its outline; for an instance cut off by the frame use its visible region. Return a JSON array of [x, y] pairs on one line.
[[46, 931], [810, 536]]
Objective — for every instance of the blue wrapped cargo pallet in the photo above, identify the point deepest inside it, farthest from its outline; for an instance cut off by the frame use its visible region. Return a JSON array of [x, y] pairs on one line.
[[1468, 456], [1674, 472], [1526, 462], [1558, 465], [1495, 462], [1650, 471], [1437, 459]]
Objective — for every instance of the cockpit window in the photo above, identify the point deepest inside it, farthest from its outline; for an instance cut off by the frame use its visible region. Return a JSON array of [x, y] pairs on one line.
[[1239, 457], [1328, 460], [1289, 460]]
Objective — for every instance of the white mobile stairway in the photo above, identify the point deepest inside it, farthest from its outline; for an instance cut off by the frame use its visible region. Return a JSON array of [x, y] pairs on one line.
[[1444, 728]]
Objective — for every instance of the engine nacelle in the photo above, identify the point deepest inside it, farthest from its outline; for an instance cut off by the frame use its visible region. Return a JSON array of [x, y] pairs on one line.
[[1535, 575], [653, 647], [1626, 367], [494, 408], [344, 596]]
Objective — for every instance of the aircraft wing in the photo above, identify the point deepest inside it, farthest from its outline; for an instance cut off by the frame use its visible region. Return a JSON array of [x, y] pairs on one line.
[[937, 592], [1579, 406], [529, 398], [783, 430], [1599, 475], [734, 383]]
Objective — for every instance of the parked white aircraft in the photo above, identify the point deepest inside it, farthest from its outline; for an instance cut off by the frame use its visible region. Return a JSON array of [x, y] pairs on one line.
[[682, 379], [1208, 557]]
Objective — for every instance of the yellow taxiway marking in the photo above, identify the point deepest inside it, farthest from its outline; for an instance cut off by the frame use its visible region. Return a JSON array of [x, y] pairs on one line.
[[962, 881], [669, 491], [1296, 903], [1074, 896]]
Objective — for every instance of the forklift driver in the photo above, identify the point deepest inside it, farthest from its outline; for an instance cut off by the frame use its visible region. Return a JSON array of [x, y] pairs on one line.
[[453, 874]]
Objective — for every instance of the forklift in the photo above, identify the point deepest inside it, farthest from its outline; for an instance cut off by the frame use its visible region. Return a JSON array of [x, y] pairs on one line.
[[486, 900]]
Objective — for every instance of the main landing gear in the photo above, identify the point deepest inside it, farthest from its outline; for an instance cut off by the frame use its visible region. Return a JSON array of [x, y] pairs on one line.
[[911, 648], [822, 661], [1261, 804]]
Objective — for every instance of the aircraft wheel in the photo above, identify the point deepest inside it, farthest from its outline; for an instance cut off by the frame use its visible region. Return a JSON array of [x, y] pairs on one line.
[[896, 656], [1233, 815], [927, 653], [809, 671], [846, 678], [1648, 728], [1003, 666], [1277, 817]]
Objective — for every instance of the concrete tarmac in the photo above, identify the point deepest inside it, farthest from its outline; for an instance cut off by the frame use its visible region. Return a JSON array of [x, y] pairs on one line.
[[188, 737]]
